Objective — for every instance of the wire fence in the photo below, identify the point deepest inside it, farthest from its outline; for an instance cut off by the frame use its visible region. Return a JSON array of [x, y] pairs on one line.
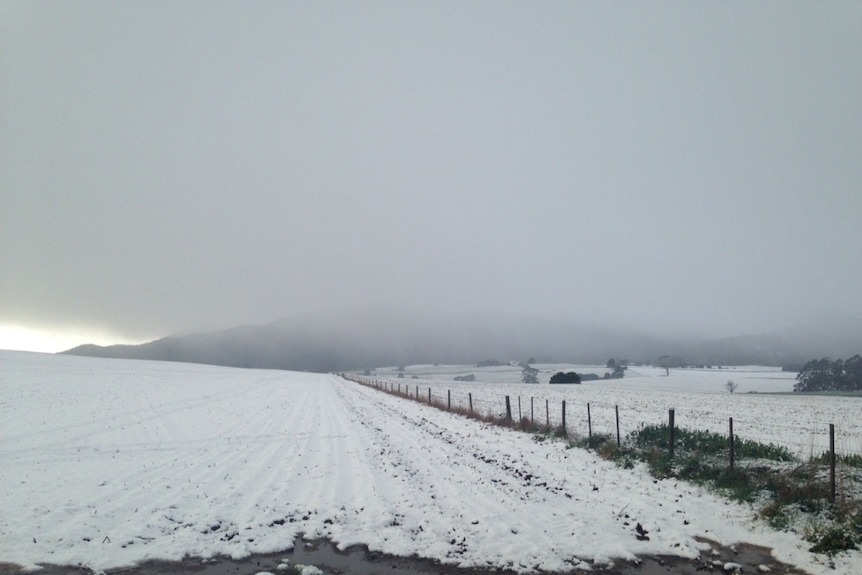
[[812, 460], [760, 420]]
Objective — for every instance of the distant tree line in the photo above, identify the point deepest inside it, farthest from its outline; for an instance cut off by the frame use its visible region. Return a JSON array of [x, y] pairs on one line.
[[570, 377], [827, 375]]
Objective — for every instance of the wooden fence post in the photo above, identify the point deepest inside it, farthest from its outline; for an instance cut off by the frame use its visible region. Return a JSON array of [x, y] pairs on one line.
[[417, 393], [832, 461], [617, 410], [565, 432], [531, 410], [589, 423], [520, 417], [671, 426], [470, 397], [429, 396], [449, 399], [730, 429], [547, 416], [508, 409]]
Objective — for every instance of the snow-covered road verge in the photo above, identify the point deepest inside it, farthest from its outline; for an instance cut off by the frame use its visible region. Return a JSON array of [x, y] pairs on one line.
[[111, 462]]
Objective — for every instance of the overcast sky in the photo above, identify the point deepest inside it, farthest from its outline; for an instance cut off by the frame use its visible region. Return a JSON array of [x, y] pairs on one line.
[[172, 167]]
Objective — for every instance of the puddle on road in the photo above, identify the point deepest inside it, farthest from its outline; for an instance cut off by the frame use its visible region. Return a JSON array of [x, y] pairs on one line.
[[359, 561]]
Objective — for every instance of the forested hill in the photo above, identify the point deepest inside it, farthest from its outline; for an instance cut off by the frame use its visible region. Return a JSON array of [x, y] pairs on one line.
[[334, 342]]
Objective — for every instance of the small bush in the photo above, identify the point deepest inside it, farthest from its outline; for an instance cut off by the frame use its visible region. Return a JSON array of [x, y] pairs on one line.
[[834, 538]]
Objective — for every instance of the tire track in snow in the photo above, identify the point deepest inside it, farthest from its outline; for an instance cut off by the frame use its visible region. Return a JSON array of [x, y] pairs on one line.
[[467, 479], [520, 489]]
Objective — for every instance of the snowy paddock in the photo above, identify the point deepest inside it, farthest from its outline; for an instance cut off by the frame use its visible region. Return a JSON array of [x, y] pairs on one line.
[[762, 408], [106, 463]]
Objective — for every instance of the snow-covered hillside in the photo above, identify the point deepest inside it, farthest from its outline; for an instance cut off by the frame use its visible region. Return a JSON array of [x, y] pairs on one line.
[[111, 462]]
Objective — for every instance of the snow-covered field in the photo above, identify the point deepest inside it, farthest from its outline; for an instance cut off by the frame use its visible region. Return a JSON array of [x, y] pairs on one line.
[[698, 397], [107, 463]]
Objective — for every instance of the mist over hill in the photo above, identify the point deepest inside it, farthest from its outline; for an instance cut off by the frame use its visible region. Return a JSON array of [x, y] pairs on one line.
[[373, 338]]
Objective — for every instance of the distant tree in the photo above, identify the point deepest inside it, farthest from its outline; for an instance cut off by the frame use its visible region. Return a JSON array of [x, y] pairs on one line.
[[853, 369], [731, 385], [816, 375], [468, 377], [612, 364], [668, 362], [570, 377], [529, 374], [826, 375], [619, 372], [664, 361]]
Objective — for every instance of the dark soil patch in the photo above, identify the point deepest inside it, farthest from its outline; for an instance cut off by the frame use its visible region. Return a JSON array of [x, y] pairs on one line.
[[359, 560]]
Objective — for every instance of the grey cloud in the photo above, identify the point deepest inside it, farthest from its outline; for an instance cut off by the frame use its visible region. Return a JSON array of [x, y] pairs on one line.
[[169, 168]]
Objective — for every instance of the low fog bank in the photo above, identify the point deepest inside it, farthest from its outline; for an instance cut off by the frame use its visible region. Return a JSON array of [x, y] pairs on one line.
[[375, 338]]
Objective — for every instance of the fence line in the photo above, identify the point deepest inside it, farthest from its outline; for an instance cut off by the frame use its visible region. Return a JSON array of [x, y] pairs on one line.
[[608, 418], [390, 387]]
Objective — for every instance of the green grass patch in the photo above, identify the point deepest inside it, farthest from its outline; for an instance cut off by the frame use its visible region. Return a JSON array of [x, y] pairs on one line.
[[850, 460], [707, 444], [787, 496]]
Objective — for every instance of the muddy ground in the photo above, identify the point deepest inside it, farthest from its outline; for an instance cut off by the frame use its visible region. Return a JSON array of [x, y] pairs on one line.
[[359, 561]]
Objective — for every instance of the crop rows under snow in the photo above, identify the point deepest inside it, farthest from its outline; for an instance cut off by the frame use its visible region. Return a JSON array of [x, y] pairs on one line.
[[107, 463]]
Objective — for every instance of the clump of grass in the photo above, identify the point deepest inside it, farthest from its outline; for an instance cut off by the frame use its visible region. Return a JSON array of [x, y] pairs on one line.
[[744, 448], [594, 441], [658, 461], [799, 487], [495, 419], [738, 484], [847, 459], [463, 411], [843, 532], [530, 426]]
